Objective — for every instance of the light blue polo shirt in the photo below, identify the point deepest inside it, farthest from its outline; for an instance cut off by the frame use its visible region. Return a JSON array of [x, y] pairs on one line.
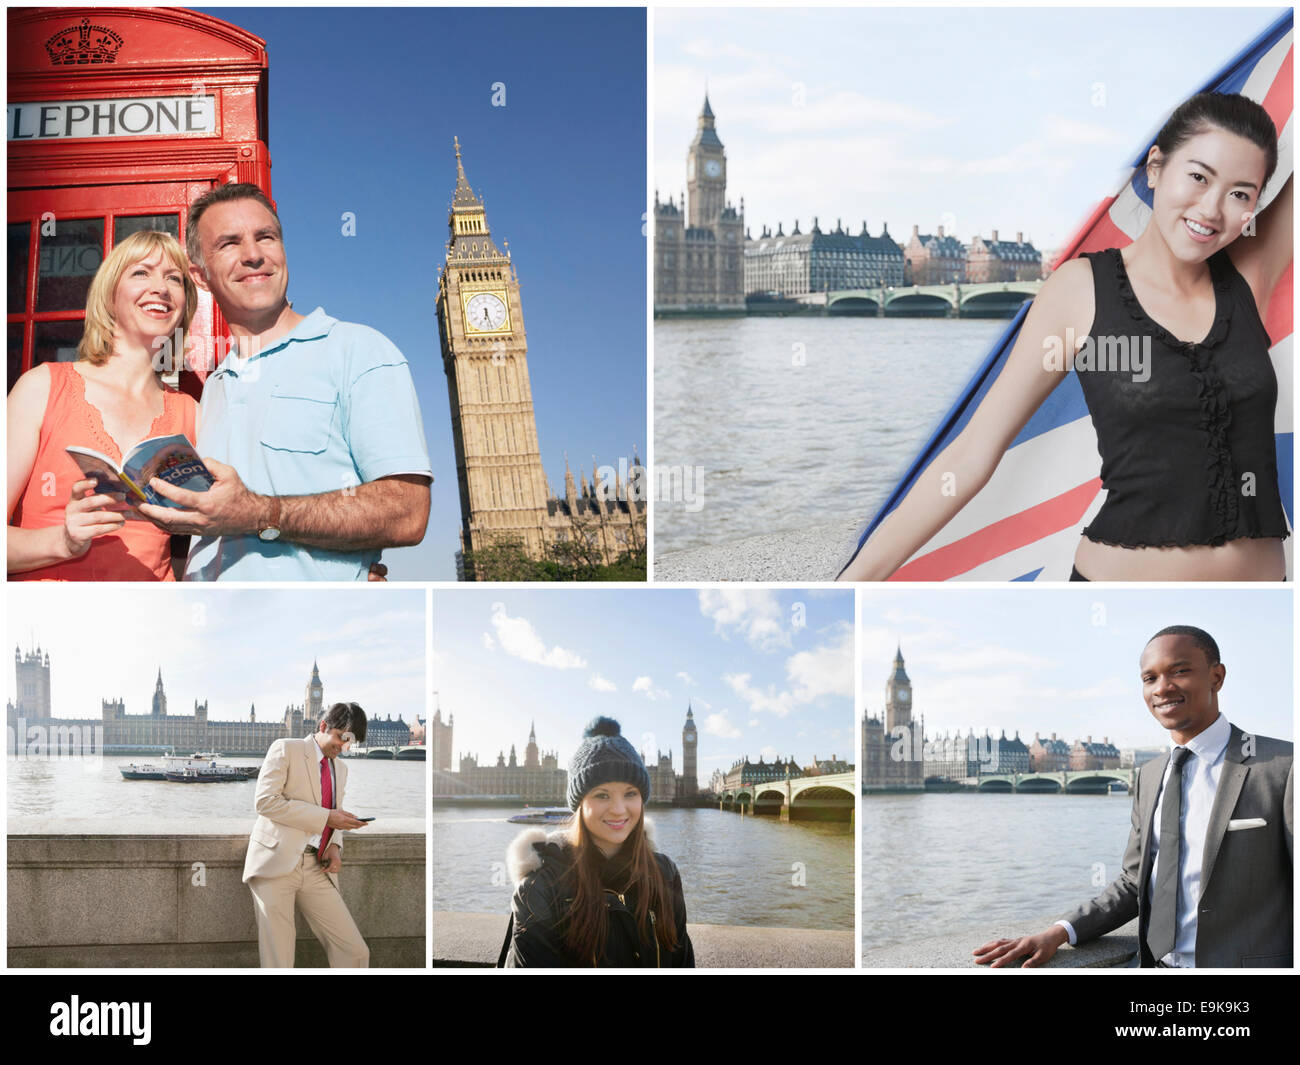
[[329, 405]]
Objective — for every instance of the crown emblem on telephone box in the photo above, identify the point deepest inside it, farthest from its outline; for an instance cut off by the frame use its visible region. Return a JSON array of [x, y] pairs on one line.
[[78, 45]]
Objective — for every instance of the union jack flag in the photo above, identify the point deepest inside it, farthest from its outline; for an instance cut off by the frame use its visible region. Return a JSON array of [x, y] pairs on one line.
[[1025, 524]]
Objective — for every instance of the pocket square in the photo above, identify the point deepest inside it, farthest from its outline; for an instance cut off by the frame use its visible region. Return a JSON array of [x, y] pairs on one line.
[[1246, 822]]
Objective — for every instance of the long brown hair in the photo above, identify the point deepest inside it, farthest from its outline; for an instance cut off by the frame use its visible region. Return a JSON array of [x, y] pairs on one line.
[[587, 925]]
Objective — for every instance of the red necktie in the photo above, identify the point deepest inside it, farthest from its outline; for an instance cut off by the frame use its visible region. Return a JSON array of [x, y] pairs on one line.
[[327, 800]]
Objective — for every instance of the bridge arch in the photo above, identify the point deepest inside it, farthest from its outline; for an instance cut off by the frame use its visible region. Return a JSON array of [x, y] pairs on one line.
[[861, 306], [1001, 303], [1040, 786], [823, 802], [918, 304], [1095, 783]]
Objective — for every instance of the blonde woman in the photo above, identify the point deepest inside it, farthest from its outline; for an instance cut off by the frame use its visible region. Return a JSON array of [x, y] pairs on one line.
[[110, 399]]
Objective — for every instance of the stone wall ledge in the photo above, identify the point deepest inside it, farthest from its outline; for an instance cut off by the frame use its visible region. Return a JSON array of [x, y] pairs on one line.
[[474, 940], [953, 951], [95, 893]]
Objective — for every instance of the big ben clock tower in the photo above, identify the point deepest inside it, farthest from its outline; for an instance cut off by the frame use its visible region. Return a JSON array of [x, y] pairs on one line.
[[706, 172], [503, 490], [314, 696], [690, 756], [898, 696]]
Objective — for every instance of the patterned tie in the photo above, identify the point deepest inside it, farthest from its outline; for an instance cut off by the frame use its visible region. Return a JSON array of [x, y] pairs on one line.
[[1162, 929], [327, 801]]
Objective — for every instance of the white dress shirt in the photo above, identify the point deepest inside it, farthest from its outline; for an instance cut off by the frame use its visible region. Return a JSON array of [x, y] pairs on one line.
[[334, 785], [1201, 772]]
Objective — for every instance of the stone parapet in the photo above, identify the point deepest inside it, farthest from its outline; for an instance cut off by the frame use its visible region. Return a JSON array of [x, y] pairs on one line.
[[95, 893], [475, 940]]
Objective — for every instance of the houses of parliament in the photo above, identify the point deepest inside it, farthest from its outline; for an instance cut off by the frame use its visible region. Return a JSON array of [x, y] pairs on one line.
[[504, 495], [539, 779], [124, 732]]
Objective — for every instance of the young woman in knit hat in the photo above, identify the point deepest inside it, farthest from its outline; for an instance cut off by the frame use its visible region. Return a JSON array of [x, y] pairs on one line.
[[597, 893]]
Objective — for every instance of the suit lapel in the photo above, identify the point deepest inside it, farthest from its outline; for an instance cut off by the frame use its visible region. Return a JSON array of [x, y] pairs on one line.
[[1148, 814], [313, 769], [1231, 779]]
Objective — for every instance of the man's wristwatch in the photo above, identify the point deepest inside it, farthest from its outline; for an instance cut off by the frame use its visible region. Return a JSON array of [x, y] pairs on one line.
[[271, 530]]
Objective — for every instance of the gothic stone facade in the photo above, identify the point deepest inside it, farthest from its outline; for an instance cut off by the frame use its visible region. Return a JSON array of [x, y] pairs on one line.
[[899, 733], [158, 728], [699, 242]]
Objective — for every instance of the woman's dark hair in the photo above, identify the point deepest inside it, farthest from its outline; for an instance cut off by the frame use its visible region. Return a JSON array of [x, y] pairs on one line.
[[587, 923], [347, 717], [1230, 111]]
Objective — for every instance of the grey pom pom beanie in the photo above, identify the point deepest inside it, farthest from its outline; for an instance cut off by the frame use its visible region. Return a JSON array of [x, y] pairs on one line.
[[604, 756]]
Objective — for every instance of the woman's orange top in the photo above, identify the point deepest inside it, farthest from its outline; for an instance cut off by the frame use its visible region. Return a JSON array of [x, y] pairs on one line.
[[140, 551]]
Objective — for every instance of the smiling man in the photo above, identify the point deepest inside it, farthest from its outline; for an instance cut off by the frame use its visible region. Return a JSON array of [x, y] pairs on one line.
[[310, 425], [1208, 868], [294, 852]]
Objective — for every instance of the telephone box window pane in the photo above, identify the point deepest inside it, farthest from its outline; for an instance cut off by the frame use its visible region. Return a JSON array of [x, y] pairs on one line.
[[166, 223], [56, 342], [15, 352], [20, 242], [69, 259]]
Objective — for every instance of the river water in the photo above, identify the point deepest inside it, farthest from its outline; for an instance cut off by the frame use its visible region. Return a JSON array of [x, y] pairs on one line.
[[735, 870], [939, 863], [797, 421], [94, 788]]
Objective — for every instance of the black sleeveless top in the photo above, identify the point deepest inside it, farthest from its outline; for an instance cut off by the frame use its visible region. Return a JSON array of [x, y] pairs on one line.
[[1185, 430]]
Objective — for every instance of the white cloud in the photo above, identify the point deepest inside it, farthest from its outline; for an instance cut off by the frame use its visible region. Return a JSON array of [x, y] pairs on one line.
[[488, 642], [755, 613], [810, 675], [769, 753], [718, 725], [769, 700], [686, 679], [598, 683], [520, 639], [826, 670], [646, 686]]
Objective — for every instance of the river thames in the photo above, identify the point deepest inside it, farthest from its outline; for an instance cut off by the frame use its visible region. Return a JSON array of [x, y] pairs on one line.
[[735, 870], [798, 420], [94, 788], [937, 863]]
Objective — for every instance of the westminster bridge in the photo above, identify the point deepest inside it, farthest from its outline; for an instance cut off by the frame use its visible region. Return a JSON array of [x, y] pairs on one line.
[[988, 299], [823, 798], [1062, 782]]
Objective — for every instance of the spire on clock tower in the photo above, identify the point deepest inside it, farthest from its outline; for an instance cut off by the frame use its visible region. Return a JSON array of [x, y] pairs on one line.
[[471, 241], [706, 172], [159, 697], [898, 695]]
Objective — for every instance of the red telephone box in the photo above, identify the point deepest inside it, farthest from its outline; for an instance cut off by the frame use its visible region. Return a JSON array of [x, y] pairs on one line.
[[118, 119]]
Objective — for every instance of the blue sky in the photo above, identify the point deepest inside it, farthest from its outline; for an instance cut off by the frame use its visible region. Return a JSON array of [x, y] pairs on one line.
[[1066, 660], [227, 646], [765, 671], [363, 107], [1015, 119]]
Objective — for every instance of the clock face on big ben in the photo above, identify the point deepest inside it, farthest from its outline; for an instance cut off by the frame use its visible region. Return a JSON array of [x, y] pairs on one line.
[[713, 168], [485, 312], [904, 696]]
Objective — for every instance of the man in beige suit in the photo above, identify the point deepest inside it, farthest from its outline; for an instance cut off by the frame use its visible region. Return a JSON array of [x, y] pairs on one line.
[[294, 852]]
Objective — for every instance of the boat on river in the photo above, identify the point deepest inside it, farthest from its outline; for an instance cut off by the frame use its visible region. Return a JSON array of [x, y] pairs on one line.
[[198, 768], [542, 815]]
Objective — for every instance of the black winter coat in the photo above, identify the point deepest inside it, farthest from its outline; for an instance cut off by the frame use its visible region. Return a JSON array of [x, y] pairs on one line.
[[535, 938]]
